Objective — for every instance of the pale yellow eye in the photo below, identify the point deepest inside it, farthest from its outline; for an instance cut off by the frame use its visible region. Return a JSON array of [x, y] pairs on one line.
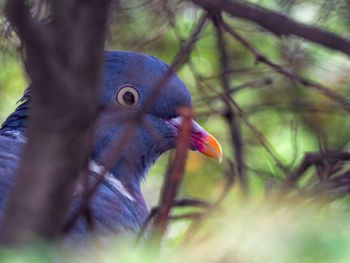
[[128, 96]]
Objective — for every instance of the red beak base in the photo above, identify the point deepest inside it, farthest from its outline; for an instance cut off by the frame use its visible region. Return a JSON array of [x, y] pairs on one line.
[[200, 140]]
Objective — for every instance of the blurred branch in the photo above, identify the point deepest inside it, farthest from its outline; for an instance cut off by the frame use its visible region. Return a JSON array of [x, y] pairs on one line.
[[311, 159], [61, 114], [259, 83], [279, 69], [230, 180], [193, 215], [333, 188], [172, 22], [277, 23], [174, 176], [114, 154], [299, 106], [34, 34], [186, 202], [230, 112]]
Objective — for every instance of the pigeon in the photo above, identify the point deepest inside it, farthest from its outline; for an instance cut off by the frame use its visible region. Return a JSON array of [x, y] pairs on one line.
[[129, 79]]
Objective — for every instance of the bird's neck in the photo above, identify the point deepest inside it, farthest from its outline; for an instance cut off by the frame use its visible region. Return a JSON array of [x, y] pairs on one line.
[[15, 124], [130, 171], [123, 179]]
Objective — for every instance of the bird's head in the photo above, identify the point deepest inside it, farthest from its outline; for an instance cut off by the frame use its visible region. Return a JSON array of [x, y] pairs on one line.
[[129, 83]]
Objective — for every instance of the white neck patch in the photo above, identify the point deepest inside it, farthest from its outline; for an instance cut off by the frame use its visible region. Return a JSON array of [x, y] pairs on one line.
[[97, 168], [16, 135]]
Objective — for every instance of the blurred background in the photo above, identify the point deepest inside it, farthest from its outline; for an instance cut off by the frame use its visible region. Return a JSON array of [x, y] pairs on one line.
[[280, 121]]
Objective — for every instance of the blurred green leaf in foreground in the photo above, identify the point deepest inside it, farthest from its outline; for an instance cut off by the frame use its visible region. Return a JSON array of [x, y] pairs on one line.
[[251, 232]]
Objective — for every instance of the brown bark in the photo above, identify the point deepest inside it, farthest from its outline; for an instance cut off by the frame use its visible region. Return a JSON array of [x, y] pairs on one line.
[[63, 59]]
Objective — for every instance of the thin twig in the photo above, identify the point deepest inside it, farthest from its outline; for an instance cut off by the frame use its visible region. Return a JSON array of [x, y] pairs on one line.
[[186, 202], [230, 112], [278, 23], [342, 100], [174, 176], [314, 159]]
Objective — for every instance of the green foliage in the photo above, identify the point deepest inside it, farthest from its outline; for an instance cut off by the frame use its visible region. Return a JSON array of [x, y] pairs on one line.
[[12, 84], [249, 232]]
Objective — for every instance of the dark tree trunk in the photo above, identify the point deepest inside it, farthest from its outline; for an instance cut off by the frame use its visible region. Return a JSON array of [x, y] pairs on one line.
[[63, 59]]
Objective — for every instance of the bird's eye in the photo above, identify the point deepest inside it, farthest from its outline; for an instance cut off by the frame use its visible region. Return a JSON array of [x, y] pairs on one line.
[[128, 96]]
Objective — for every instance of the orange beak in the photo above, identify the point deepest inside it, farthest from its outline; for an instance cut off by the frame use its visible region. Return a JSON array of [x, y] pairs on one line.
[[211, 147], [205, 143], [200, 140]]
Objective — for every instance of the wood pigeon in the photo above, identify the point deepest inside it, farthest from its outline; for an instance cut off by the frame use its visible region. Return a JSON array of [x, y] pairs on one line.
[[128, 81]]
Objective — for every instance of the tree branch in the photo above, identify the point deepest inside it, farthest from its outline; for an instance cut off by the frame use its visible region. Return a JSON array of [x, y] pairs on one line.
[[174, 176], [342, 100], [277, 23], [61, 115], [315, 159]]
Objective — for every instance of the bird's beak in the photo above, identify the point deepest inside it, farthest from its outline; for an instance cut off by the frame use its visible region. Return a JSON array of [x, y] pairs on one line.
[[200, 140], [204, 142]]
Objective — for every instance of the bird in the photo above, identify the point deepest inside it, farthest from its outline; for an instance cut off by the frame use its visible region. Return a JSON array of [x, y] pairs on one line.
[[129, 80]]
